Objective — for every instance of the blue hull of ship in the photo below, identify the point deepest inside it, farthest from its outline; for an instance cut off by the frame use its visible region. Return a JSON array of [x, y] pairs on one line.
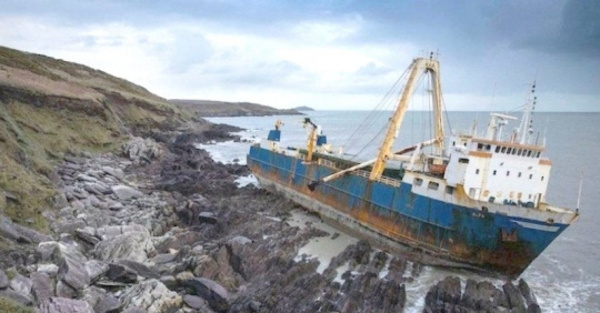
[[487, 240]]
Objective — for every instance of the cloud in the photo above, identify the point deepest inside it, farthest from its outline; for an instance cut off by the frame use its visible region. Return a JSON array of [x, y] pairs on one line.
[[335, 54]]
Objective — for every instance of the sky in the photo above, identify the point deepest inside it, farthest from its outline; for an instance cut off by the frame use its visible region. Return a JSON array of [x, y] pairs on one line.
[[329, 55]]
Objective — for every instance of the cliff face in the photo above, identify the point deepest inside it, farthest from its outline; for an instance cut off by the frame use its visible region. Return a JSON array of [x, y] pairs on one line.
[[49, 108]]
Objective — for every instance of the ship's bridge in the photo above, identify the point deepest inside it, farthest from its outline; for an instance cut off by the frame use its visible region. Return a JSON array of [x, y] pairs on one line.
[[498, 171]]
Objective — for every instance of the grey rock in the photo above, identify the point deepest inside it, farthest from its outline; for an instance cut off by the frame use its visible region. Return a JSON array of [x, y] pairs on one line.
[[108, 232], [65, 291], [64, 305], [215, 294], [197, 303], [169, 281], [114, 172], [134, 310], [18, 297], [534, 308], [240, 240], [70, 226], [97, 188], [48, 269], [116, 206], [19, 233], [21, 284], [207, 217], [124, 192], [11, 197], [121, 273], [42, 286], [86, 178], [73, 273], [139, 268], [139, 149], [109, 284], [3, 280], [87, 235], [108, 304], [95, 269], [197, 250], [132, 246], [48, 251], [93, 295], [71, 269], [515, 299], [152, 296], [163, 258], [526, 292]]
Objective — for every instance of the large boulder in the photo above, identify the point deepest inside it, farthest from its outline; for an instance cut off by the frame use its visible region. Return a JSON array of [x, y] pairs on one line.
[[132, 246], [71, 268], [215, 294], [108, 232], [95, 269], [125, 192], [42, 286], [114, 172], [141, 150], [152, 296], [21, 284], [515, 299], [64, 305], [19, 233]]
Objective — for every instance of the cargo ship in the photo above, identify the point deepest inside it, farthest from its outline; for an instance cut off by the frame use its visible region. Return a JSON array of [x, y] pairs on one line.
[[464, 200]]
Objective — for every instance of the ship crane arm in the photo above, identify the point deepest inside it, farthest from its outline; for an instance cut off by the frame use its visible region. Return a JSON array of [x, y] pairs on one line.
[[418, 67], [312, 185]]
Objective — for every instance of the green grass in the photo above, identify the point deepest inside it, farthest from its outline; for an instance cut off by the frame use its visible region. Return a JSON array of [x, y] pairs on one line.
[[10, 306]]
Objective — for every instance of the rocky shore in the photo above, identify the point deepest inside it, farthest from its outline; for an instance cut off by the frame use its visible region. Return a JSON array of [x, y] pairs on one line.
[[158, 226]]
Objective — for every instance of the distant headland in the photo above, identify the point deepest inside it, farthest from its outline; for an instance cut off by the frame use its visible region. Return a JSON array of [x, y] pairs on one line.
[[209, 108]]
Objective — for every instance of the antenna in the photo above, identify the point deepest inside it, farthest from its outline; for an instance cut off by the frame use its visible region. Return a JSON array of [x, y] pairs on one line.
[[579, 195], [546, 129]]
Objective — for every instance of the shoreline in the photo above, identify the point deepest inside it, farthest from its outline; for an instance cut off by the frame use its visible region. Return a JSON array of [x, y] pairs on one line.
[[161, 226]]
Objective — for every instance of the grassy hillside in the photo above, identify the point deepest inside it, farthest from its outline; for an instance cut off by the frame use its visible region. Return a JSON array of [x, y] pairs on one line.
[[49, 108], [207, 108]]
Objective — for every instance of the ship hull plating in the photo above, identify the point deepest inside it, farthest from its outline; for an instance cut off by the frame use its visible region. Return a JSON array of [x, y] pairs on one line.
[[394, 214]]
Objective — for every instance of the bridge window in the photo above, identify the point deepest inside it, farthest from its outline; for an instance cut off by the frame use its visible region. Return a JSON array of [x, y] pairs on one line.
[[479, 146], [529, 153], [520, 152], [463, 160], [503, 149], [538, 154], [497, 149], [514, 151], [433, 185], [418, 182], [449, 190], [509, 150]]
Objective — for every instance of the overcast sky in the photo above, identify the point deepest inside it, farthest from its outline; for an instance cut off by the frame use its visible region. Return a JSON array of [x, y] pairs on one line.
[[325, 54]]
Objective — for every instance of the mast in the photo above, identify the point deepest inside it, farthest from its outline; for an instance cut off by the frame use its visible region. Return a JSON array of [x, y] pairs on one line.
[[418, 67], [526, 127]]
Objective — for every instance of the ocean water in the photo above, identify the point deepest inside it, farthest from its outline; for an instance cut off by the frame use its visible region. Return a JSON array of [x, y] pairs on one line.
[[566, 277]]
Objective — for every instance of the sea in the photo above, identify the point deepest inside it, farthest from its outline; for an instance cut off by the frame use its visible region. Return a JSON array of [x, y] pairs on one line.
[[564, 278]]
